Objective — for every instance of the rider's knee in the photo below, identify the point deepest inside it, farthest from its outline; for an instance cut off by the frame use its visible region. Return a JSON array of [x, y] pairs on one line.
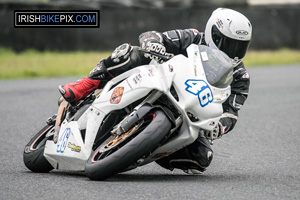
[[124, 58], [120, 59], [114, 65], [188, 159], [121, 54]]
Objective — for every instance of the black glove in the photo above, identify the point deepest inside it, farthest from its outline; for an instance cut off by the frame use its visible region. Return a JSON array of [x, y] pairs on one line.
[[224, 125], [216, 133], [154, 46]]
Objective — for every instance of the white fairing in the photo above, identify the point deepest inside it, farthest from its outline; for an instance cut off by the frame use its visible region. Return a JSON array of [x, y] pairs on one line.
[[187, 76]]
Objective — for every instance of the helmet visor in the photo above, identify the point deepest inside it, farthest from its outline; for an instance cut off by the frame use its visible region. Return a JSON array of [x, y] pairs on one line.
[[232, 47]]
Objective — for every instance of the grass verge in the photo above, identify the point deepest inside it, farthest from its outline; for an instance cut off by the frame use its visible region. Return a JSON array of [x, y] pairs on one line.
[[31, 63], [269, 58]]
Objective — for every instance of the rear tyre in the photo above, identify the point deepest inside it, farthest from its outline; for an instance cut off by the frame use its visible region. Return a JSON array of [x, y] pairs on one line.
[[33, 155], [117, 153]]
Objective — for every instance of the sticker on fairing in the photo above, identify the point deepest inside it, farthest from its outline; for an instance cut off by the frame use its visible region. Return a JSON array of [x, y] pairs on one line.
[[204, 56], [117, 95], [63, 140], [201, 89]]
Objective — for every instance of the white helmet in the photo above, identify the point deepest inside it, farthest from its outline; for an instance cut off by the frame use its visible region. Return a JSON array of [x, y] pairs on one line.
[[229, 31]]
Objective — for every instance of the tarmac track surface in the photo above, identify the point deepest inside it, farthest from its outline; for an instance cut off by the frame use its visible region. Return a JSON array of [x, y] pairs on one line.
[[259, 159]]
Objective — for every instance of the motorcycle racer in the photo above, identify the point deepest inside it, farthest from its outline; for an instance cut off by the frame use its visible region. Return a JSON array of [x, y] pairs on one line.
[[226, 29]]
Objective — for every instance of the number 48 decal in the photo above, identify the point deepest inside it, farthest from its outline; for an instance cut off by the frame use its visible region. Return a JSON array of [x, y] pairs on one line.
[[201, 89], [63, 140]]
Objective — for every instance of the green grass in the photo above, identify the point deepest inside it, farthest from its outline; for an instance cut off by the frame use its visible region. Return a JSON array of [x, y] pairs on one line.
[[278, 57], [31, 63]]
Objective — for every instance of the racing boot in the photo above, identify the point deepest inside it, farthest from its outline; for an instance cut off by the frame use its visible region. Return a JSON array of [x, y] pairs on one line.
[[75, 91], [97, 79]]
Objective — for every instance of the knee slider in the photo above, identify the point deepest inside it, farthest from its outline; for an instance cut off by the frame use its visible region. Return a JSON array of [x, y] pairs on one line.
[[205, 161]]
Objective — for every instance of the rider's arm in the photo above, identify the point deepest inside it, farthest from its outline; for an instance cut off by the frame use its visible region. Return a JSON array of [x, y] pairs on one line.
[[239, 94], [175, 41]]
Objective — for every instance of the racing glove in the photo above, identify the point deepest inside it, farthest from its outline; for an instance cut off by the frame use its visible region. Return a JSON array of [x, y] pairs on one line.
[[224, 125], [153, 46]]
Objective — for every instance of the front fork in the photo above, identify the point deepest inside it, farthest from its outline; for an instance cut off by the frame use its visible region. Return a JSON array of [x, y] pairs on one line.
[[61, 114], [130, 120], [140, 111]]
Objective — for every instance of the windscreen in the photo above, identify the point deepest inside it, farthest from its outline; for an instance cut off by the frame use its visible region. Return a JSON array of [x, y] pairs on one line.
[[217, 66]]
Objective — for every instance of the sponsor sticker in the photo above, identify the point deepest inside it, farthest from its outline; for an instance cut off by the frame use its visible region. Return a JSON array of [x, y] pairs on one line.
[[137, 79], [150, 73], [117, 95], [219, 23], [242, 32], [74, 147]]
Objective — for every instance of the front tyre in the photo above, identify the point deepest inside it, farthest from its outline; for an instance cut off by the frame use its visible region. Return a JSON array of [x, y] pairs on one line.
[[33, 155], [119, 152]]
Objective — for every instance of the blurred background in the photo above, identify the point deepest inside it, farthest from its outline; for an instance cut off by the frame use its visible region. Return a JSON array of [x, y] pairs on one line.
[[275, 22]]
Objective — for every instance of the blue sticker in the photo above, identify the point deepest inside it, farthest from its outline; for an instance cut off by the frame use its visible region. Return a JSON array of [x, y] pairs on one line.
[[201, 89], [63, 140]]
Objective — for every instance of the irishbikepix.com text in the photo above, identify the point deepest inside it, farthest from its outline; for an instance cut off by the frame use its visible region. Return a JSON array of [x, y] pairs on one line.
[[63, 19]]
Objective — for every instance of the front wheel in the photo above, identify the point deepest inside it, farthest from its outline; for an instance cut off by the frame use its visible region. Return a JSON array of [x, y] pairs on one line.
[[119, 152], [33, 155]]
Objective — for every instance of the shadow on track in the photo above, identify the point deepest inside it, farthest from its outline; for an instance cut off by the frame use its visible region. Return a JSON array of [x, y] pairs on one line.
[[138, 177], [176, 177]]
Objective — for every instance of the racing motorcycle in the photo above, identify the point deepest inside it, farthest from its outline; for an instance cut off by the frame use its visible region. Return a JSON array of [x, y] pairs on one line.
[[139, 117]]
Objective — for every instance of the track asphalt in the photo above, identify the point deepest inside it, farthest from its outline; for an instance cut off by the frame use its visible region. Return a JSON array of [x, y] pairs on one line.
[[259, 159]]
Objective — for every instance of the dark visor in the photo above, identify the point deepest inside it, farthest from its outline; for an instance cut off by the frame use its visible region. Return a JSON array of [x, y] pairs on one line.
[[233, 48]]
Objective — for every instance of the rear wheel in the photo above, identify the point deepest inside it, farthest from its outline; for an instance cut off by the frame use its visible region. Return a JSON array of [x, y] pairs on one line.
[[118, 152], [33, 155]]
